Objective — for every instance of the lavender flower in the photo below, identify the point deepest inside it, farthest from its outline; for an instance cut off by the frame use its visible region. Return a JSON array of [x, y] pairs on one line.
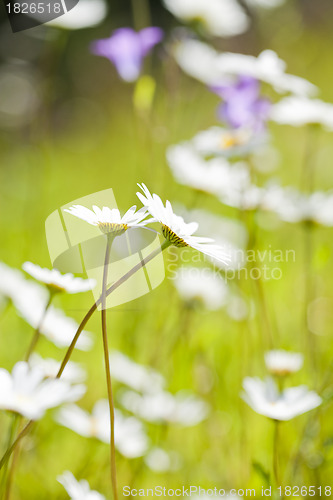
[[242, 105], [127, 48]]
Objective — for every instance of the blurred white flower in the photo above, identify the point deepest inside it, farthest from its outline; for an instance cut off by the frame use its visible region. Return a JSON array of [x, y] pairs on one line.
[[78, 490], [281, 363], [265, 4], [57, 281], [215, 176], [204, 63], [182, 409], [130, 437], [202, 285], [159, 460], [139, 377], [264, 398], [86, 14], [228, 142], [26, 392], [176, 230], [56, 326], [218, 17], [15, 287], [73, 372], [108, 219], [299, 111]]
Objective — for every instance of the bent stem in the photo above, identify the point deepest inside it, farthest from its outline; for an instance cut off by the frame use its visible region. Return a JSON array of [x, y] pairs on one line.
[[110, 239], [71, 348]]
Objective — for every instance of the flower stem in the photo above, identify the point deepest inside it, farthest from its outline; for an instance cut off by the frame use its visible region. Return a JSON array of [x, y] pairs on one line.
[[107, 369], [91, 311], [36, 336], [276, 454]]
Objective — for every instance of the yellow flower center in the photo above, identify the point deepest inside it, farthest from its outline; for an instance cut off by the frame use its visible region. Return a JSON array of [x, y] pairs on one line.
[[229, 141], [173, 237], [112, 227]]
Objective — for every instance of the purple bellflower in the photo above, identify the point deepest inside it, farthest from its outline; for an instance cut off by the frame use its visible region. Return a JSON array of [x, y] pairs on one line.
[[127, 48], [242, 105]]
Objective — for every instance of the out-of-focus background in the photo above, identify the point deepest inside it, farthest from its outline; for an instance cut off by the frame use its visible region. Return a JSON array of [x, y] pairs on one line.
[[69, 127]]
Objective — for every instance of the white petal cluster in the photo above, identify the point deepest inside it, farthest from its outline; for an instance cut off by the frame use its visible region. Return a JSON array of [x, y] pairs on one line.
[[78, 490], [280, 362], [26, 392], [86, 14], [30, 300], [130, 438], [176, 230], [219, 17], [139, 377], [55, 280], [299, 111], [207, 65], [183, 409], [73, 372], [110, 219], [264, 398], [201, 285]]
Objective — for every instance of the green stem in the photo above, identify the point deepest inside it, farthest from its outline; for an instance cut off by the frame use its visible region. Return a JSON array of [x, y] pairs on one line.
[[276, 454], [107, 370], [37, 333], [91, 311]]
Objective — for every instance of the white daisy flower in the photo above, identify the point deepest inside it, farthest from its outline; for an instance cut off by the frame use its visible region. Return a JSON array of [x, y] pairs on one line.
[[56, 326], [109, 220], [56, 281], [139, 377], [299, 111], [215, 176], [73, 372], [227, 142], [265, 4], [175, 230], [195, 284], [183, 409], [26, 392], [86, 14], [218, 17], [78, 490], [130, 438], [281, 363], [264, 398], [159, 460], [16, 288], [207, 65]]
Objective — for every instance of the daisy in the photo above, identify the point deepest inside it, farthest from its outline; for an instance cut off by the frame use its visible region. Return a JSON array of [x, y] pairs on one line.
[[126, 49], [175, 230], [212, 68], [299, 111], [218, 17], [196, 285], [228, 142], [56, 281], [183, 409], [139, 377], [55, 326], [26, 392], [16, 288], [264, 398], [109, 220], [281, 363], [78, 490], [73, 373], [130, 438]]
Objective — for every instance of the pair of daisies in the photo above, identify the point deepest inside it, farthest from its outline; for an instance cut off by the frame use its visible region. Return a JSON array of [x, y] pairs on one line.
[[174, 229]]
